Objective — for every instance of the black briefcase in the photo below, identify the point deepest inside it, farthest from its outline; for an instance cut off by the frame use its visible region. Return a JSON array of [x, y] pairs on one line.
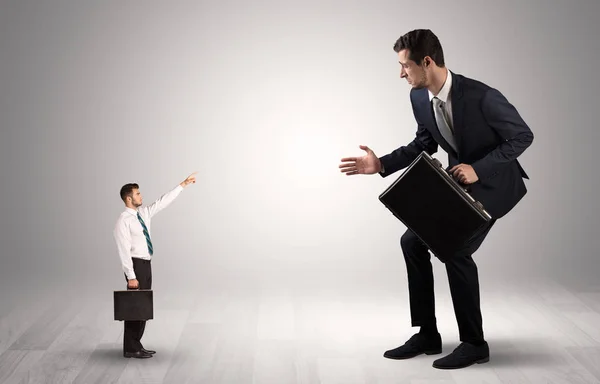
[[433, 205], [134, 304]]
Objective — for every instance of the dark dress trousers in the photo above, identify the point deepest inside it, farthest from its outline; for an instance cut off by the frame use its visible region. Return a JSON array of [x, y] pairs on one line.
[[134, 330]]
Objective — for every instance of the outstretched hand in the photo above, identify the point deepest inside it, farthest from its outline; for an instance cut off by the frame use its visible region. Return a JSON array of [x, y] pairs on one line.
[[189, 180], [365, 165]]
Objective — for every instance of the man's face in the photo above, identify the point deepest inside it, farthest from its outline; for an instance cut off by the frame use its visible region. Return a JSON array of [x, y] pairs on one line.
[[136, 198], [415, 75]]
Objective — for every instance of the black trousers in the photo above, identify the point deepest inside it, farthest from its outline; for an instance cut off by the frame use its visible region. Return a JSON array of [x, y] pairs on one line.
[[134, 330], [462, 277]]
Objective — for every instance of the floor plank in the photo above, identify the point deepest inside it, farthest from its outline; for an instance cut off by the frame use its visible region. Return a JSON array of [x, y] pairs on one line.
[[16, 322], [162, 334], [48, 326], [273, 333], [105, 365], [193, 358], [588, 357], [16, 365]]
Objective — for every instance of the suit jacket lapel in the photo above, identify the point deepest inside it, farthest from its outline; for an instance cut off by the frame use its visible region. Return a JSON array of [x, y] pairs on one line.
[[458, 105]]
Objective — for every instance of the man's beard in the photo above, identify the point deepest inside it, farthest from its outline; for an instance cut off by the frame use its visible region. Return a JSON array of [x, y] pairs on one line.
[[422, 83]]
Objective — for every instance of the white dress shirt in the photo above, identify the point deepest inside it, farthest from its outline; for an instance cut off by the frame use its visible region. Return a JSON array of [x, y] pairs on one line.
[[129, 234]]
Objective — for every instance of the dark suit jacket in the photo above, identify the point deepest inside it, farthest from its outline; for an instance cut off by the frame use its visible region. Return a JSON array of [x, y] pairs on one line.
[[490, 135]]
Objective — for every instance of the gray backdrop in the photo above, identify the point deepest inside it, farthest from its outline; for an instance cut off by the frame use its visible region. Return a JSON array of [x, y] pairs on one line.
[[263, 99]]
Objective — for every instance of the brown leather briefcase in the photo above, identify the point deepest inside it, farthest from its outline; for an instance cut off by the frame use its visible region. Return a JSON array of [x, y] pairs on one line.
[[433, 205]]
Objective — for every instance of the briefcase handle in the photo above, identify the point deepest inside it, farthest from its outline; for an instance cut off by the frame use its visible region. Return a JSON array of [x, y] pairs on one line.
[[464, 187]]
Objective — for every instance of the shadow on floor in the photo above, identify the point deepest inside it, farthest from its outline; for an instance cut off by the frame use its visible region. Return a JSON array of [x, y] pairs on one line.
[[530, 352]]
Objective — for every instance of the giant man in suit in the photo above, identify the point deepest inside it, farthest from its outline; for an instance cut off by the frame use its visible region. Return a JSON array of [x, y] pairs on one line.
[[483, 135]]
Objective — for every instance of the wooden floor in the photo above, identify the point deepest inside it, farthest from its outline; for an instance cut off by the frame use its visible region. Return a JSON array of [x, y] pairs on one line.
[[281, 333]]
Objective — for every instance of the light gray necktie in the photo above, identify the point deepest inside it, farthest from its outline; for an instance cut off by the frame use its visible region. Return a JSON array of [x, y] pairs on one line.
[[443, 123]]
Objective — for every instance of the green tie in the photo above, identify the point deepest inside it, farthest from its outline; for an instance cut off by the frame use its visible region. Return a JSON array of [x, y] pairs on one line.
[[148, 242]]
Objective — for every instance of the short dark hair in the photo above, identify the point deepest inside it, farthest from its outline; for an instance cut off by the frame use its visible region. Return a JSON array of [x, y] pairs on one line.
[[127, 190], [421, 43]]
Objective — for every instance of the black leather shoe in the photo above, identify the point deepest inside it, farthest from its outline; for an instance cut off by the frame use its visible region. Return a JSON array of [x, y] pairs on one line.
[[416, 345], [464, 355], [148, 351], [137, 355]]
